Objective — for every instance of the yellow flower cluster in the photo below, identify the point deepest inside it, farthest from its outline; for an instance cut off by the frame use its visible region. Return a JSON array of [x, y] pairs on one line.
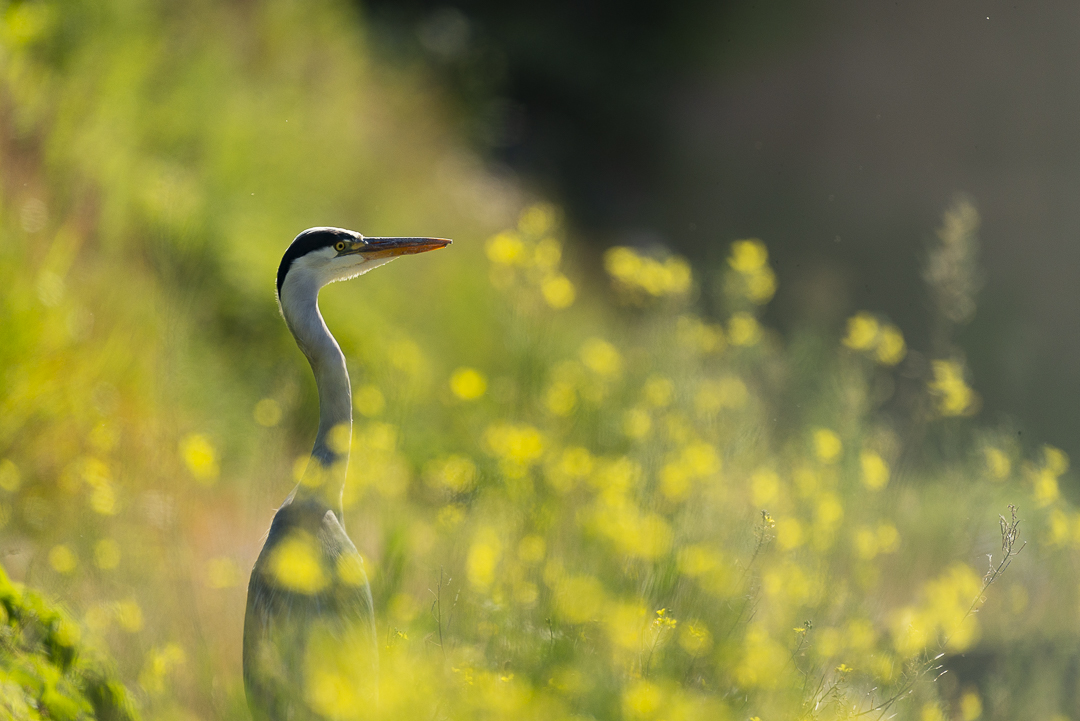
[[468, 384], [533, 254], [718, 394], [693, 463], [640, 277], [609, 480], [708, 568], [870, 542], [483, 557], [875, 471], [698, 336], [126, 614], [615, 517], [1044, 478], [827, 445], [385, 469], [578, 468], [743, 329], [369, 401], [518, 447], [601, 357], [752, 279], [762, 659], [201, 458], [882, 341], [455, 473], [998, 463], [955, 397], [943, 615], [161, 663], [296, 565], [97, 478]]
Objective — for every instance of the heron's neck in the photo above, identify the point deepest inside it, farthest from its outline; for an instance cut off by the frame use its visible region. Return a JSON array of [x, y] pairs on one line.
[[325, 475]]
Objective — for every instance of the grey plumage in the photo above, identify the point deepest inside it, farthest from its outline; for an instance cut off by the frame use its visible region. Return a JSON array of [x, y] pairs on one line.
[[310, 651], [322, 633]]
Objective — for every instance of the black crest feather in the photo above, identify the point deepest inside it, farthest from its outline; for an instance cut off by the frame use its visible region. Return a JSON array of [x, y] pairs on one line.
[[311, 239]]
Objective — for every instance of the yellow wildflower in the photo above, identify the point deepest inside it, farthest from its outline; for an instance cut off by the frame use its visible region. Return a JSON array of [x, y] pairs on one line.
[[455, 473], [483, 558], [558, 291], [62, 559], [548, 253], [622, 263], [997, 463], [931, 712], [1055, 460], [955, 397], [200, 457], [827, 445], [642, 699], [875, 471], [296, 564], [129, 615], [521, 444], [970, 705], [468, 384], [862, 331], [761, 286], [670, 277], [369, 401], [538, 219], [601, 357], [698, 336], [748, 256], [505, 248], [743, 329], [560, 398], [891, 348], [1046, 488], [658, 391]]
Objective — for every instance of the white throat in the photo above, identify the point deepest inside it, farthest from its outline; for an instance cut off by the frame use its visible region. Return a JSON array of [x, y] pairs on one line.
[[299, 301]]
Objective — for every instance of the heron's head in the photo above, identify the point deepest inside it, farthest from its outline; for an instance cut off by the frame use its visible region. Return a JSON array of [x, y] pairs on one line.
[[324, 255]]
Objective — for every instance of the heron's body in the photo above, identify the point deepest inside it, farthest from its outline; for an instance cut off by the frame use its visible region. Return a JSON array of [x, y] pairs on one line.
[[310, 652], [310, 649]]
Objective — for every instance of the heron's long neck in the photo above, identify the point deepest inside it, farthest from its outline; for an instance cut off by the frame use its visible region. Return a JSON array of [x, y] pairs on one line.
[[325, 476]]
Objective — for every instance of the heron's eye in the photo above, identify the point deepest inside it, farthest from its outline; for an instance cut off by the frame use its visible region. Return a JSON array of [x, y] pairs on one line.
[[339, 246]]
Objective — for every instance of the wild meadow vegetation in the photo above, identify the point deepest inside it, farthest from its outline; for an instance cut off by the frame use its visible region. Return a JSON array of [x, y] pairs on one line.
[[579, 492]]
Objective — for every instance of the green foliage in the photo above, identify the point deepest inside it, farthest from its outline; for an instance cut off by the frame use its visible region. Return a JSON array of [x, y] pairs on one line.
[[46, 670], [575, 499]]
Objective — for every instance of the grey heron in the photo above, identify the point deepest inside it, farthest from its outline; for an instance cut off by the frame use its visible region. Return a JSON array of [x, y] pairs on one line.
[[309, 629]]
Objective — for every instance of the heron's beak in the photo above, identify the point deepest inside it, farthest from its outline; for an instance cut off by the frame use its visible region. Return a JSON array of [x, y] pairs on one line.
[[373, 248]]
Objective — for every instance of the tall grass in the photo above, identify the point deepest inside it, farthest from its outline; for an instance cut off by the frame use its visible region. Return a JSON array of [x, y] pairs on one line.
[[577, 497]]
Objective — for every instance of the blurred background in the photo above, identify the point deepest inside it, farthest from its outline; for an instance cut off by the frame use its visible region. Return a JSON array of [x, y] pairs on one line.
[[758, 318], [836, 133]]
